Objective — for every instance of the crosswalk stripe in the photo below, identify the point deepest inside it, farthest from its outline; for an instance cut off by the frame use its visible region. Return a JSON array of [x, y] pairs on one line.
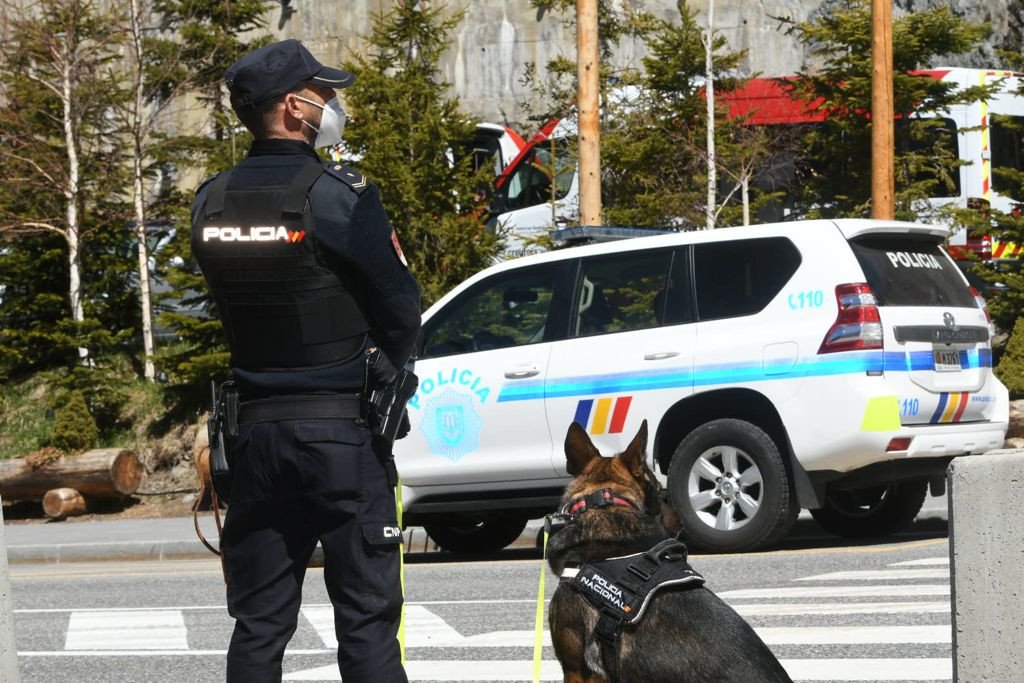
[[161, 632], [879, 575], [119, 630], [910, 669], [808, 608], [854, 635], [905, 591], [922, 562], [423, 628]]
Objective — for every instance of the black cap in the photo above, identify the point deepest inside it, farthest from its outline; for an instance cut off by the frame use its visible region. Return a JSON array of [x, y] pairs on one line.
[[273, 70]]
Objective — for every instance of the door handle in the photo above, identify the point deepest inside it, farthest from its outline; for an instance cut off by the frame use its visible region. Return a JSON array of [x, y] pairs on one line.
[[661, 355], [522, 372]]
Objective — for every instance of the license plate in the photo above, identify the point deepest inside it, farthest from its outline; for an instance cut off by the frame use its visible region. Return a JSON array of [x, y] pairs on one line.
[[947, 361]]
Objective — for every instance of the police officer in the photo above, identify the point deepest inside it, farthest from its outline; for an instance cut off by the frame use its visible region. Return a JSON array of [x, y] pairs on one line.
[[307, 276]]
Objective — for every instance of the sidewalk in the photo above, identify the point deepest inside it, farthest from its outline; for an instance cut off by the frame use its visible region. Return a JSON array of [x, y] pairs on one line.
[[167, 538], [175, 538]]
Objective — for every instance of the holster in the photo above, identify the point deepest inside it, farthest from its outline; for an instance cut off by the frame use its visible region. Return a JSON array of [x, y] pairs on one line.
[[222, 430], [387, 392]]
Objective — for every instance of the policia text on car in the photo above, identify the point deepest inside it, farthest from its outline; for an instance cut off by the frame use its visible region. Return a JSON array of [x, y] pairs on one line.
[[315, 296]]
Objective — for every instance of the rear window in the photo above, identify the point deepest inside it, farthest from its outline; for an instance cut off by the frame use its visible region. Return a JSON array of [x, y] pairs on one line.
[[904, 271]]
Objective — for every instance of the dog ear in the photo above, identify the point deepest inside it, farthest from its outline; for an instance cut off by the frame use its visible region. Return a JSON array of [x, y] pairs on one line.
[[579, 449], [635, 454]]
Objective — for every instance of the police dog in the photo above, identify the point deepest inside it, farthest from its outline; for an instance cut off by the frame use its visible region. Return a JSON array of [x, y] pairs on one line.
[[615, 508]]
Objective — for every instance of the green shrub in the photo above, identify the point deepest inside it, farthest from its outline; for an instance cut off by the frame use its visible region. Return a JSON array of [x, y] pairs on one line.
[[74, 428], [1011, 367]]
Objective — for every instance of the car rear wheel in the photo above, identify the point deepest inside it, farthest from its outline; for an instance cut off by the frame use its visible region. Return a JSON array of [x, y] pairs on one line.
[[729, 487], [483, 535], [875, 511]]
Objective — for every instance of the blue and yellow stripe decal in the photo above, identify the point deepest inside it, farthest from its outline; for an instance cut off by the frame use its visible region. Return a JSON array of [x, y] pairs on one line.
[[856, 362]]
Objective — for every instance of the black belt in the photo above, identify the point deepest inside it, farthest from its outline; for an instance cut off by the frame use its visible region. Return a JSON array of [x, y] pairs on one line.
[[277, 408]]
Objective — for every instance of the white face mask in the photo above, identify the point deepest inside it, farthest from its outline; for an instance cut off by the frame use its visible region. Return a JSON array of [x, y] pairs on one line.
[[332, 122]]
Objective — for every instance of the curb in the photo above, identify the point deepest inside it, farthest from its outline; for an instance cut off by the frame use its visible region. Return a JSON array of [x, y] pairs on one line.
[[416, 541], [120, 550]]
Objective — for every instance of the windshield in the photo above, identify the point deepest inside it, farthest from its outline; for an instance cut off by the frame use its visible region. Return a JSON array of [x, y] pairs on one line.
[[543, 175]]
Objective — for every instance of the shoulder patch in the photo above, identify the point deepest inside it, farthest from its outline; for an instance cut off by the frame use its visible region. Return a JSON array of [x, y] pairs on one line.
[[206, 182], [348, 175]]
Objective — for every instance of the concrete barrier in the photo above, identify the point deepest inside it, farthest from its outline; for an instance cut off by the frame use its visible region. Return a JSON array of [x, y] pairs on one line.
[[986, 547], [8, 650]]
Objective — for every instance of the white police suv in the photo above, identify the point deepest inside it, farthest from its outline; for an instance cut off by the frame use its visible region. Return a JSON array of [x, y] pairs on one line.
[[831, 365]]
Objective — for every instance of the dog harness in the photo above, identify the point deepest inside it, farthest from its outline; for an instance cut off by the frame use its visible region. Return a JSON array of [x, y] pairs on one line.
[[621, 588]]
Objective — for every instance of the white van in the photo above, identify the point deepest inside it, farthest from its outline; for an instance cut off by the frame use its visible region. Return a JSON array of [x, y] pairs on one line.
[[831, 365]]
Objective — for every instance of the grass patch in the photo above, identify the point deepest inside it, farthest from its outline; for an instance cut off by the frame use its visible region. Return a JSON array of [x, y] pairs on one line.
[[24, 425], [127, 409]]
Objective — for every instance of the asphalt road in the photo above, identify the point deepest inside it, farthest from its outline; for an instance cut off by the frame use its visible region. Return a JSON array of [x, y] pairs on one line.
[[830, 610]]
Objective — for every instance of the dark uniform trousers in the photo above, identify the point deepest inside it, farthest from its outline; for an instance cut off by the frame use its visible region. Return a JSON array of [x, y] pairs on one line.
[[298, 482]]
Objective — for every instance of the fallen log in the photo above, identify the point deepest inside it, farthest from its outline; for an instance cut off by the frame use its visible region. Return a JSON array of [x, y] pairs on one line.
[[99, 473], [63, 502]]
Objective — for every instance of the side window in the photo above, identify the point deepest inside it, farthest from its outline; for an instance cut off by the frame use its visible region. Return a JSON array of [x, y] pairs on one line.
[[1007, 157], [621, 292], [934, 138], [510, 309], [531, 182], [740, 277]]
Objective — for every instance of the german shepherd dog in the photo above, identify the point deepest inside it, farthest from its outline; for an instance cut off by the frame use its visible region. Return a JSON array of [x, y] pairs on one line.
[[686, 633]]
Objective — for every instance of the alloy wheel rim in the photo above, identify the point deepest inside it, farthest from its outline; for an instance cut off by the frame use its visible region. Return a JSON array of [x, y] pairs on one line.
[[725, 488]]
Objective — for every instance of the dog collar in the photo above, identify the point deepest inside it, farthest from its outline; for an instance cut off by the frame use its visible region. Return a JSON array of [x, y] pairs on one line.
[[598, 499]]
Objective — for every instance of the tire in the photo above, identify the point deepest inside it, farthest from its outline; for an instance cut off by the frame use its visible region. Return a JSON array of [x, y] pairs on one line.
[[730, 489], [875, 511], [485, 535]]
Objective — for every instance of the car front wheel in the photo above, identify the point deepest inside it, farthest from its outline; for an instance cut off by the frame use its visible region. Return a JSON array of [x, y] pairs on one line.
[[729, 487], [484, 535], [874, 511]]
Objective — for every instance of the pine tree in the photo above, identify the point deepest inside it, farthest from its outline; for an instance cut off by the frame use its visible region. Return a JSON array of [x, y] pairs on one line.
[[836, 177], [61, 164], [654, 121], [200, 40], [407, 134], [654, 146], [74, 428], [1011, 366]]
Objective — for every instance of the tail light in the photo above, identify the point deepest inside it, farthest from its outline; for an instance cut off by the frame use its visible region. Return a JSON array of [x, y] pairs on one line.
[[858, 325], [980, 300]]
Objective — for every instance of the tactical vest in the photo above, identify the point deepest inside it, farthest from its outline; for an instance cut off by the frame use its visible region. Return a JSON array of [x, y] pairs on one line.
[[281, 308]]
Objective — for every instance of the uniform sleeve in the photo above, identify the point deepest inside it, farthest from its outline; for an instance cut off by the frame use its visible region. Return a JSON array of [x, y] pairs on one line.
[[383, 286]]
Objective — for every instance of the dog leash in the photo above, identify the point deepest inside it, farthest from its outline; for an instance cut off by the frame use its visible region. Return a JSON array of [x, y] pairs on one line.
[[538, 630], [401, 570]]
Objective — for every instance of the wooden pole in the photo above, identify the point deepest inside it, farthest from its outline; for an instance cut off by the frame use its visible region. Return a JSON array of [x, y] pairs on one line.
[[882, 138], [588, 102]]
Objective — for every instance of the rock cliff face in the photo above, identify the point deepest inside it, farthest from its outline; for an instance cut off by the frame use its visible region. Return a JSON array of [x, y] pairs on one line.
[[497, 38]]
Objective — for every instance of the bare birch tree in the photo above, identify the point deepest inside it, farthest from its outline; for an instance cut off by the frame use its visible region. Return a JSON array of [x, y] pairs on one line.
[[53, 65]]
